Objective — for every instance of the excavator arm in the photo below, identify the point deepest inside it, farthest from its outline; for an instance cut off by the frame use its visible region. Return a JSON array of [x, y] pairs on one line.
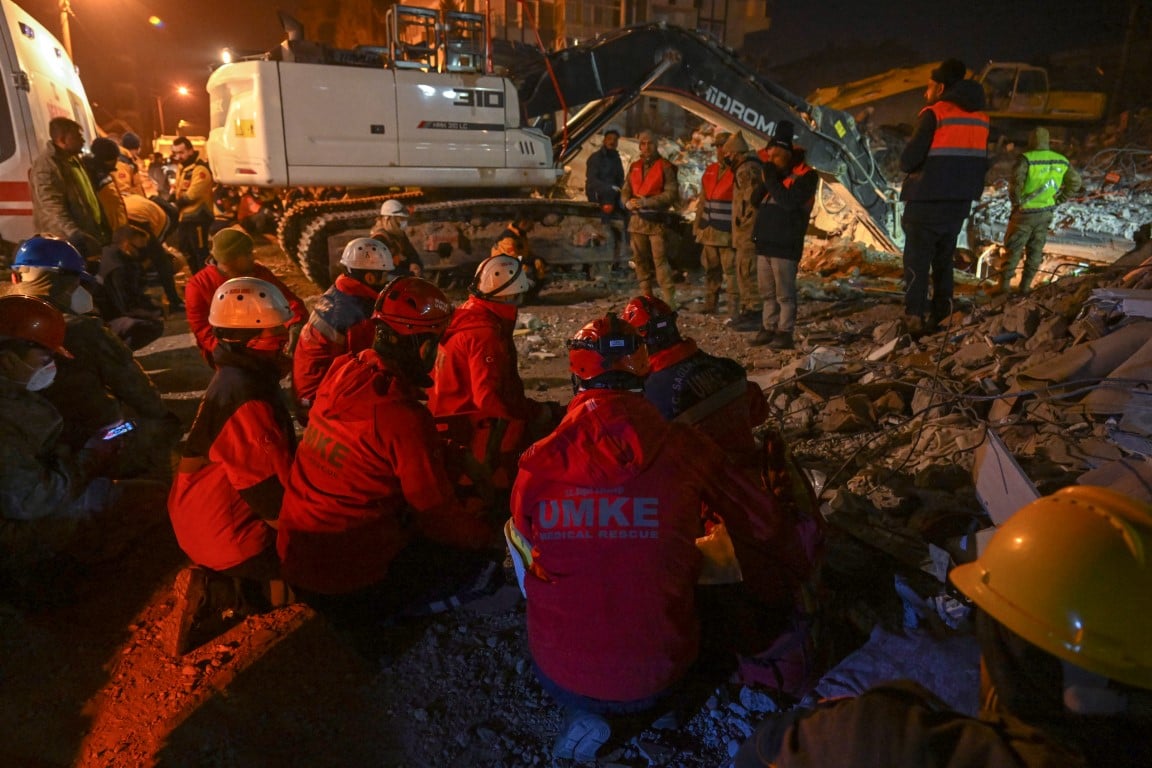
[[611, 71]]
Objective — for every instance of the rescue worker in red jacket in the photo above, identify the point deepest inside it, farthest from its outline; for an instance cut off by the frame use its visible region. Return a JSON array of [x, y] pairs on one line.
[[232, 256], [476, 376], [610, 506], [946, 160], [1066, 666], [230, 482], [369, 483], [342, 319], [650, 190], [693, 387]]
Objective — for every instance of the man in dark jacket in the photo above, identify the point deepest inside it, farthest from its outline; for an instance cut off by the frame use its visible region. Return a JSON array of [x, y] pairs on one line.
[[945, 160], [609, 506], [64, 203], [604, 174], [122, 300], [785, 201]]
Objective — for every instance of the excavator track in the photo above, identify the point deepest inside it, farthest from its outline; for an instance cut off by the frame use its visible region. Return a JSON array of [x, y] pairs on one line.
[[453, 236]]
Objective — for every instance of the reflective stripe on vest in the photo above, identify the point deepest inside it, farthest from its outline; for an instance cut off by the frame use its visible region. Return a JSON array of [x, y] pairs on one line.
[[958, 133], [716, 186], [1046, 171], [647, 184]]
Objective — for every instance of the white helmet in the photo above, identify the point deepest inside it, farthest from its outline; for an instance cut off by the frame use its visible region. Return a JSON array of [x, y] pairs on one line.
[[394, 208], [500, 276], [367, 253], [248, 302]]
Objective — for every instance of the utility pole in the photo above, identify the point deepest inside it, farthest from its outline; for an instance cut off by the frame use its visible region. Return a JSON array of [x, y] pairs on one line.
[[65, 32]]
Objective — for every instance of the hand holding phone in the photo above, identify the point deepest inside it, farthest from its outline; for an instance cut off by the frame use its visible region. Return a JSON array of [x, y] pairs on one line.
[[118, 430]]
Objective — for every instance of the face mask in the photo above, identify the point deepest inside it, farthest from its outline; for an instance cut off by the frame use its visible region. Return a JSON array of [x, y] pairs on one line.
[[403, 223], [42, 377], [82, 301]]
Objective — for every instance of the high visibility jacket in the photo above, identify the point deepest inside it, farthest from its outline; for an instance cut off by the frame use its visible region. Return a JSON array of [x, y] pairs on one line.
[[368, 478], [959, 133], [947, 157], [1046, 170], [242, 436], [340, 323], [610, 503], [647, 182], [192, 192], [656, 183], [716, 197]]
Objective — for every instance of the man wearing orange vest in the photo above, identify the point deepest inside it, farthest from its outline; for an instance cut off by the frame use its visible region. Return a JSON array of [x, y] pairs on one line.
[[650, 190], [945, 160], [713, 230]]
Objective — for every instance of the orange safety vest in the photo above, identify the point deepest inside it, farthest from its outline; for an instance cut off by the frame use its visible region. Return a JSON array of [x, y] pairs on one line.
[[647, 184], [716, 185], [958, 133]]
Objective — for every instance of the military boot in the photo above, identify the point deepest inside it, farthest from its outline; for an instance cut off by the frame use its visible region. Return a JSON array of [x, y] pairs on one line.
[[711, 301], [1026, 281]]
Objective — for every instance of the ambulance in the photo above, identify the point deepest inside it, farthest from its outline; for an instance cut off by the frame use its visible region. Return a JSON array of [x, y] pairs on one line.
[[38, 82]]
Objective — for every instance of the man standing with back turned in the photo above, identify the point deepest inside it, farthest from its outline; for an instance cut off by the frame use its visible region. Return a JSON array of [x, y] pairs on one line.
[[945, 160]]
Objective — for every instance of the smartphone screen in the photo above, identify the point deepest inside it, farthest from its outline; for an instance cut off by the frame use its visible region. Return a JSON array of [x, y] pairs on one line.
[[116, 430]]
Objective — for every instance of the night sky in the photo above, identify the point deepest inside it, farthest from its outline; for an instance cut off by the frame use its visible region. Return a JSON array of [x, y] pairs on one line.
[[195, 30]]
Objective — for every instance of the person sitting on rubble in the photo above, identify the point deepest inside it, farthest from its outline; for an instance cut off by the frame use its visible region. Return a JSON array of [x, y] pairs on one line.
[[102, 384], [341, 321], [476, 378], [152, 217], [370, 521], [57, 505], [1066, 666], [232, 256], [612, 499], [230, 482], [121, 299], [513, 241], [389, 229], [691, 386]]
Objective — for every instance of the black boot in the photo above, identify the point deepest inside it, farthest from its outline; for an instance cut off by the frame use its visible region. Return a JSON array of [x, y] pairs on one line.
[[781, 340], [748, 321], [763, 337]]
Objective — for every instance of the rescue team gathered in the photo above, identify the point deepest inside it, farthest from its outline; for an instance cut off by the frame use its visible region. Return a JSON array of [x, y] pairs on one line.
[[662, 534]]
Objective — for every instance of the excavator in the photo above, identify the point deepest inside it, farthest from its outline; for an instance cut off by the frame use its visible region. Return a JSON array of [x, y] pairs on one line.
[[427, 109]]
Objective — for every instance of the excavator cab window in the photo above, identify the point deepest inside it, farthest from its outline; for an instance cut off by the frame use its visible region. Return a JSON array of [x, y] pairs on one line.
[[414, 35]]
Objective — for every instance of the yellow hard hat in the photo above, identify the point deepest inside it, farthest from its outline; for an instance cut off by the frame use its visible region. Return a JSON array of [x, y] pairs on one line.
[[1070, 574]]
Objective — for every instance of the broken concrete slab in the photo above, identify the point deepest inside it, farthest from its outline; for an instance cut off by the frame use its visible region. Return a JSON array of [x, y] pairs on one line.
[[853, 413], [1002, 486], [1128, 301]]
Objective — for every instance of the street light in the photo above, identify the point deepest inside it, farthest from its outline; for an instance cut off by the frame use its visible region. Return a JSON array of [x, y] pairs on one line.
[[65, 11], [180, 91]]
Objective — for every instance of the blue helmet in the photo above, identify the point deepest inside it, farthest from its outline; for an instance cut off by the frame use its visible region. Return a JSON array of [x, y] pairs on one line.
[[48, 252]]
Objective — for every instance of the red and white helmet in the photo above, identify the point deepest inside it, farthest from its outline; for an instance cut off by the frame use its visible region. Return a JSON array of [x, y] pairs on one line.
[[410, 305], [248, 302], [367, 253], [652, 318], [605, 345], [499, 276]]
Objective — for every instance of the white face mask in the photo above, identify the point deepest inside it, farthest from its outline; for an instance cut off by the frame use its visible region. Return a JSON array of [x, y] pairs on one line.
[[82, 301], [403, 223], [42, 377]]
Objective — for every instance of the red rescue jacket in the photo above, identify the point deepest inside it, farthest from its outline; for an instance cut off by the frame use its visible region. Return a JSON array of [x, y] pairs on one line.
[[340, 323], [611, 503], [368, 477]]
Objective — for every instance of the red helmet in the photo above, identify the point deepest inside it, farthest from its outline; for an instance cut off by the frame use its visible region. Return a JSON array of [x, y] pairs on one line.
[[409, 305], [652, 318], [604, 345], [34, 320]]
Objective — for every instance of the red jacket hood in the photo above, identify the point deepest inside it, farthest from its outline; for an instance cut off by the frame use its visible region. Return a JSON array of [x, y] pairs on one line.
[[479, 313], [615, 434]]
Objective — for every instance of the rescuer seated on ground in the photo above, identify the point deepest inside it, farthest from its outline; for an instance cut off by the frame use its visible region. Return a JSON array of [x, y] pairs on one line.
[[121, 298], [370, 520], [101, 384], [232, 256], [1066, 664], [513, 241], [610, 507], [342, 319], [688, 385], [476, 378], [389, 229], [230, 482], [56, 505]]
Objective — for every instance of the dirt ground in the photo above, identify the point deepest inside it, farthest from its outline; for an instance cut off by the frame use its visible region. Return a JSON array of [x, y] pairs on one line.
[[86, 683]]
